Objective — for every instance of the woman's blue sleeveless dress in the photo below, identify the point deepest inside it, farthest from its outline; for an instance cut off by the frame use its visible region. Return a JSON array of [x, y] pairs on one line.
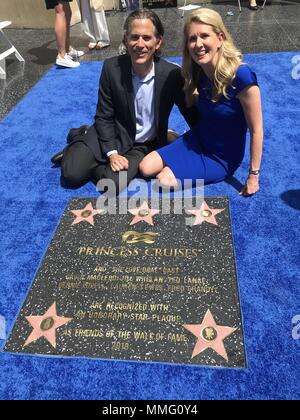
[[215, 147]]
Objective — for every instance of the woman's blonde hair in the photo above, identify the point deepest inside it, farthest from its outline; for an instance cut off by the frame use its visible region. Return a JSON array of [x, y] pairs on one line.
[[229, 57]]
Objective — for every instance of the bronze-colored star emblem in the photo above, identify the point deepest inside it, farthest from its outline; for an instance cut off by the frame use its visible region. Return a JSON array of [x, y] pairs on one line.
[[86, 215], [46, 326], [205, 214], [210, 335], [143, 213]]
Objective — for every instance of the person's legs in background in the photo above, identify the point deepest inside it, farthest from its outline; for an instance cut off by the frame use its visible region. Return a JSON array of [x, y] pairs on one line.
[[66, 53], [63, 16], [101, 29], [95, 25]]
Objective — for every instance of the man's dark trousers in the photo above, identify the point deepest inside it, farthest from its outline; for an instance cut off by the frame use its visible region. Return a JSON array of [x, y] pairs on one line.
[[79, 164]]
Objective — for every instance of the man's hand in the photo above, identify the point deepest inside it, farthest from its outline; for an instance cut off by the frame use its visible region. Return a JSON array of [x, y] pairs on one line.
[[118, 163], [251, 187]]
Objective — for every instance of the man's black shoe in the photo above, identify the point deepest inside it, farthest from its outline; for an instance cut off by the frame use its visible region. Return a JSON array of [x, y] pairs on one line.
[[74, 133], [57, 158]]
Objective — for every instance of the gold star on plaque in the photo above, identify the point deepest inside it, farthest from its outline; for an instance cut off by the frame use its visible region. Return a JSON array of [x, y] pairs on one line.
[[46, 326], [205, 214], [143, 213], [210, 335], [86, 215]]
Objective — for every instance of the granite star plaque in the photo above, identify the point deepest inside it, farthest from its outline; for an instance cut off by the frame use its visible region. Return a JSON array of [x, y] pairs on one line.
[[139, 286]]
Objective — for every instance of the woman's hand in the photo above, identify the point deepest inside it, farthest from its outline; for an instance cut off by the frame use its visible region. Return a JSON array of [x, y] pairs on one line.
[[251, 186]]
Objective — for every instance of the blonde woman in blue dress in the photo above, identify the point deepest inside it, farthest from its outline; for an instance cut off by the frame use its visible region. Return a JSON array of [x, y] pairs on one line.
[[228, 99]]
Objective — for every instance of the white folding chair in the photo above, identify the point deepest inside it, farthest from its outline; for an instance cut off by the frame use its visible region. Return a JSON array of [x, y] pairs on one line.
[[11, 50], [264, 4]]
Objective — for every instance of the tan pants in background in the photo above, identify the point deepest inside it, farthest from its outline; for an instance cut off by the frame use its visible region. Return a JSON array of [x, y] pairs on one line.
[[95, 25]]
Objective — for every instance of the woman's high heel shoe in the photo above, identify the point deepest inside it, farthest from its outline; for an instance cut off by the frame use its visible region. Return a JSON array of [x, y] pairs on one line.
[[92, 45]]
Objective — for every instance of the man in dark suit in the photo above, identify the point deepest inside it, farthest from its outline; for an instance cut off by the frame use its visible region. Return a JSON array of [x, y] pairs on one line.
[[136, 94]]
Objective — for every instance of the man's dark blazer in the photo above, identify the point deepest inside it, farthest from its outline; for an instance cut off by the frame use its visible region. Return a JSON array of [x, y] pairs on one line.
[[115, 122]]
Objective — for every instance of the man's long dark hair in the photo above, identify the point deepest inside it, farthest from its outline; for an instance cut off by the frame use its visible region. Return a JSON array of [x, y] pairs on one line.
[[145, 14]]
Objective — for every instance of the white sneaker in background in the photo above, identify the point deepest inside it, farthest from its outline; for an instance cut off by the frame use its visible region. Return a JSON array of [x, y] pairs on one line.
[[66, 61], [75, 53]]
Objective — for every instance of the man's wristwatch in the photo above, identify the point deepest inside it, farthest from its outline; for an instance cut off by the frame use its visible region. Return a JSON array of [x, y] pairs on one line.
[[254, 172]]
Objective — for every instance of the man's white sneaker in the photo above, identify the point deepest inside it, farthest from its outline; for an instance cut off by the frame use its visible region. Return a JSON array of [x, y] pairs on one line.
[[75, 53], [66, 61]]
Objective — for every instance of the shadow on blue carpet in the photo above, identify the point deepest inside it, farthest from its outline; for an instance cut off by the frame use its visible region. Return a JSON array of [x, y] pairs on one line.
[[266, 236]]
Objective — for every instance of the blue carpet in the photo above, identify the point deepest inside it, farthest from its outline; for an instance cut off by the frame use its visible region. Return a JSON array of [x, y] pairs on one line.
[[266, 235]]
